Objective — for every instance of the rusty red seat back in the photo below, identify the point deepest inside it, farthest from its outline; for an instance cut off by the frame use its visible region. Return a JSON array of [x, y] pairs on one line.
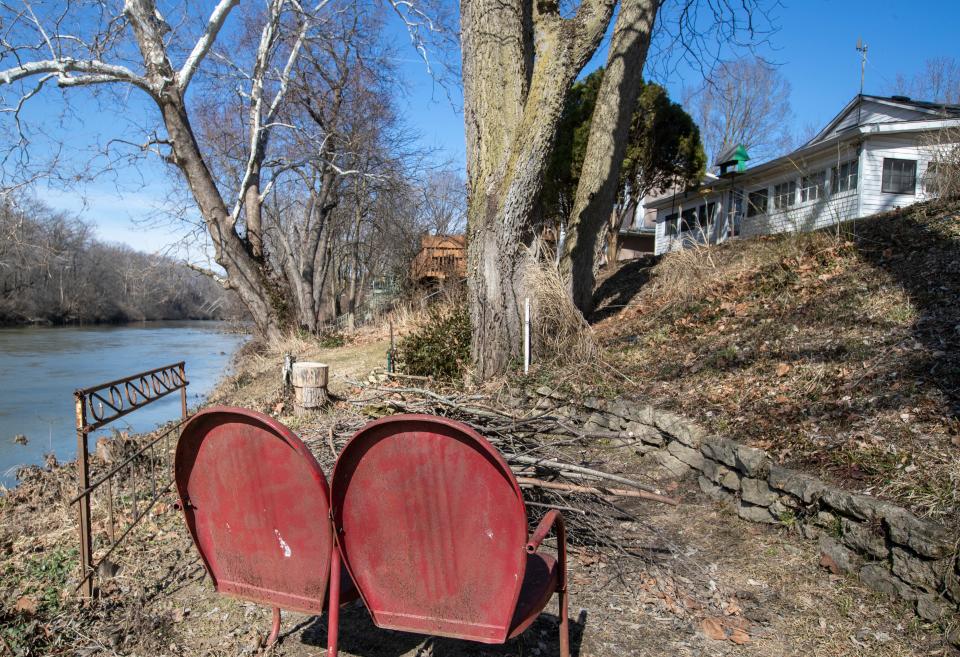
[[432, 527], [257, 505]]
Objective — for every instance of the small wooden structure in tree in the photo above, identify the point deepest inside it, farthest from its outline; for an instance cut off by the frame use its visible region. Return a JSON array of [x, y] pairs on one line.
[[440, 257], [309, 386]]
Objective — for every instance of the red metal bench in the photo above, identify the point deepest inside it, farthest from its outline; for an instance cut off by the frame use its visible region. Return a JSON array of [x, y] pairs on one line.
[[433, 529], [257, 506]]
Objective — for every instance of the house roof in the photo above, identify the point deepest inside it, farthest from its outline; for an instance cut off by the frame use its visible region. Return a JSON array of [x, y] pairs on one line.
[[930, 116], [922, 107]]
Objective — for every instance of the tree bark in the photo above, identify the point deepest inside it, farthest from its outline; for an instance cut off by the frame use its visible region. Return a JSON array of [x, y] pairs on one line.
[[606, 146], [252, 210], [519, 60]]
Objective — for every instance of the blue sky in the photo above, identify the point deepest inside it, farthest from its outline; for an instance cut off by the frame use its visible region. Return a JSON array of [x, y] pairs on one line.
[[814, 48]]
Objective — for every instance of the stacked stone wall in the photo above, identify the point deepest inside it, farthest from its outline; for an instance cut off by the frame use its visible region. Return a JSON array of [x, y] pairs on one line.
[[887, 547]]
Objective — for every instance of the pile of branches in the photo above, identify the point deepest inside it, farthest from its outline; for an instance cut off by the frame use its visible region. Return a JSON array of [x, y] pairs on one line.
[[544, 449]]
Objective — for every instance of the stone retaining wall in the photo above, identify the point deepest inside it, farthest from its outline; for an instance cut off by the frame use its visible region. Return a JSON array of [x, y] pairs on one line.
[[887, 547]]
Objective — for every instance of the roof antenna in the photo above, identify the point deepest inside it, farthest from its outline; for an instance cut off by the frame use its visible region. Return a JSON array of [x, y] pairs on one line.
[[862, 49]]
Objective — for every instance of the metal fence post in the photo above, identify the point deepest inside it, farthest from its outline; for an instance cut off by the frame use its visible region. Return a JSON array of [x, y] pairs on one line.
[[83, 480], [183, 390]]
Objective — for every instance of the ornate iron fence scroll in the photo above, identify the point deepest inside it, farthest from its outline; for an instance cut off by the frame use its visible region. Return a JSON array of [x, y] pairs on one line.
[[134, 477]]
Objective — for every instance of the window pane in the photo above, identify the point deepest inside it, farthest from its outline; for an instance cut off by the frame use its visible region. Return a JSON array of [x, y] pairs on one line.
[[757, 203], [899, 176]]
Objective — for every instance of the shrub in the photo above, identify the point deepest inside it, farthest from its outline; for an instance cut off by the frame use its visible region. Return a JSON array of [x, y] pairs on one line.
[[331, 340], [440, 347]]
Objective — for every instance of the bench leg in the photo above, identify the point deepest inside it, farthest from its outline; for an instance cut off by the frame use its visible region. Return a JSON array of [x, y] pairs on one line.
[[275, 630], [564, 624], [333, 612]]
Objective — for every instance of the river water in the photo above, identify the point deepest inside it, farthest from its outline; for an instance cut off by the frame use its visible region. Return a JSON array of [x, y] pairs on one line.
[[41, 367]]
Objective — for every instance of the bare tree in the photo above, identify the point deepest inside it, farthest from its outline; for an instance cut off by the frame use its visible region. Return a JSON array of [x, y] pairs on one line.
[[288, 99], [606, 145], [443, 205], [938, 82], [746, 101], [87, 44], [519, 59]]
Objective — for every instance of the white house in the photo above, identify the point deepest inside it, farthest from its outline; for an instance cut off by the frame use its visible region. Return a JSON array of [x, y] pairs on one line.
[[875, 155]]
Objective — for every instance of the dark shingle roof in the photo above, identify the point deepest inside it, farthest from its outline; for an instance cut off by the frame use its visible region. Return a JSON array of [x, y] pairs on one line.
[[944, 108]]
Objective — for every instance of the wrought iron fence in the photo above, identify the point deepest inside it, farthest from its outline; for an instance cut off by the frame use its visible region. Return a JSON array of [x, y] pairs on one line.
[[135, 476]]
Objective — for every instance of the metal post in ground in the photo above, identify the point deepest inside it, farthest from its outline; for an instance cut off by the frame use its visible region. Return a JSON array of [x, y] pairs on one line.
[[83, 481], [390, 355], [183, 391]]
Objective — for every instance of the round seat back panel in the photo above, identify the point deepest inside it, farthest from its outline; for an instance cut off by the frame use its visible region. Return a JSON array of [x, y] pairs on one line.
[[432, 527], [257, 505]]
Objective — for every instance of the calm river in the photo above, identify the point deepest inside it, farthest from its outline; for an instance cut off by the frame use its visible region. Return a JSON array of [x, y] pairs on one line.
[[41, 367]]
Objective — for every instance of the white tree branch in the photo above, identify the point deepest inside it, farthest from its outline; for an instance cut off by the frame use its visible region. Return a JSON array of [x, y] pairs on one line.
[[205, 43], [261, 125], [208, 272], [95, 72]]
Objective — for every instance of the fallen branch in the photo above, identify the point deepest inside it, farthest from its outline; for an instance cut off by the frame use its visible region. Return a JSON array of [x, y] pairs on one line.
[[616, 492], [411, 377], [557, 465]]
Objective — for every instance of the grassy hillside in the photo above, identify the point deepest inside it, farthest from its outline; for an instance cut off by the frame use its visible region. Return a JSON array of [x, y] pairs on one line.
[[838, 351]]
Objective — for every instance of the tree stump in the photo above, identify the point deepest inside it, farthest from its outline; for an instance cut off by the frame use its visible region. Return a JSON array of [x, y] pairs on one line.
[[309, 386]]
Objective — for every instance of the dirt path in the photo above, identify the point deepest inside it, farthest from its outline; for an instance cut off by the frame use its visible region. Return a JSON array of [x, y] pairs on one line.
[[259, 377], [702, 572]]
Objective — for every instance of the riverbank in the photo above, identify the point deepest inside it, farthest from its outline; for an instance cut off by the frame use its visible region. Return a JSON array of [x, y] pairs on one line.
[[694, 579]]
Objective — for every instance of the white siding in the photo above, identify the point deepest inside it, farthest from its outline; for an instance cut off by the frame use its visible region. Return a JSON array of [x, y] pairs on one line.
[[802, 216], [832, 208], [875, 150]]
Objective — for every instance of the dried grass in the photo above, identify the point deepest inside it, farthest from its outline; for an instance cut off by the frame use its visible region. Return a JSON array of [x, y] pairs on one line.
[[688, 273], [559, 331]]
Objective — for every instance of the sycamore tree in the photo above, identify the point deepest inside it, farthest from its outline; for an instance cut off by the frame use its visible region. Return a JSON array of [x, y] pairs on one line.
[[519, 61], [663, 149], [240, 101]]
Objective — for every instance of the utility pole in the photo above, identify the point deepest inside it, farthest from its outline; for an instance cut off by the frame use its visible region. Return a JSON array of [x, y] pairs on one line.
[[862, 49]]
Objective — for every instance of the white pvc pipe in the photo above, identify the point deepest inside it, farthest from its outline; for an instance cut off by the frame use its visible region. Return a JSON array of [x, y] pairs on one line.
[[526, 335]]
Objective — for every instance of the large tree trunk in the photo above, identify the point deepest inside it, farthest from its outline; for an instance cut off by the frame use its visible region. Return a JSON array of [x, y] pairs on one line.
[[519, 60], [248, 278], [245, 275], [606, 146]]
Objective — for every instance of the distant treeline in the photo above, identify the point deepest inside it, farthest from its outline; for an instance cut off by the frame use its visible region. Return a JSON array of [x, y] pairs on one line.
[[53, 271]]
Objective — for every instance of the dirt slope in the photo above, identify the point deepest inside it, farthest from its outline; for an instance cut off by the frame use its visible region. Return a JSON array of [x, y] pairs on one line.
[[838, 351]]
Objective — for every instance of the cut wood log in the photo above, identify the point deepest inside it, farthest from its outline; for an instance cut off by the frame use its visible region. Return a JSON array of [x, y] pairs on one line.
[[309, 386]]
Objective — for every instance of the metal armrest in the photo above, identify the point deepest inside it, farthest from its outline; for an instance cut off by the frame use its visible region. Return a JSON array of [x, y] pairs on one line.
[[552, 520], [546, 524]]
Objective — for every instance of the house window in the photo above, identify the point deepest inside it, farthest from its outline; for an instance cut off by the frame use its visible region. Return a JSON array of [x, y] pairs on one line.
[[784, 194], [705, 214], [811, 187], [844, 177], [757, 202], [688, 219], [899, 176], [671, 224]]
